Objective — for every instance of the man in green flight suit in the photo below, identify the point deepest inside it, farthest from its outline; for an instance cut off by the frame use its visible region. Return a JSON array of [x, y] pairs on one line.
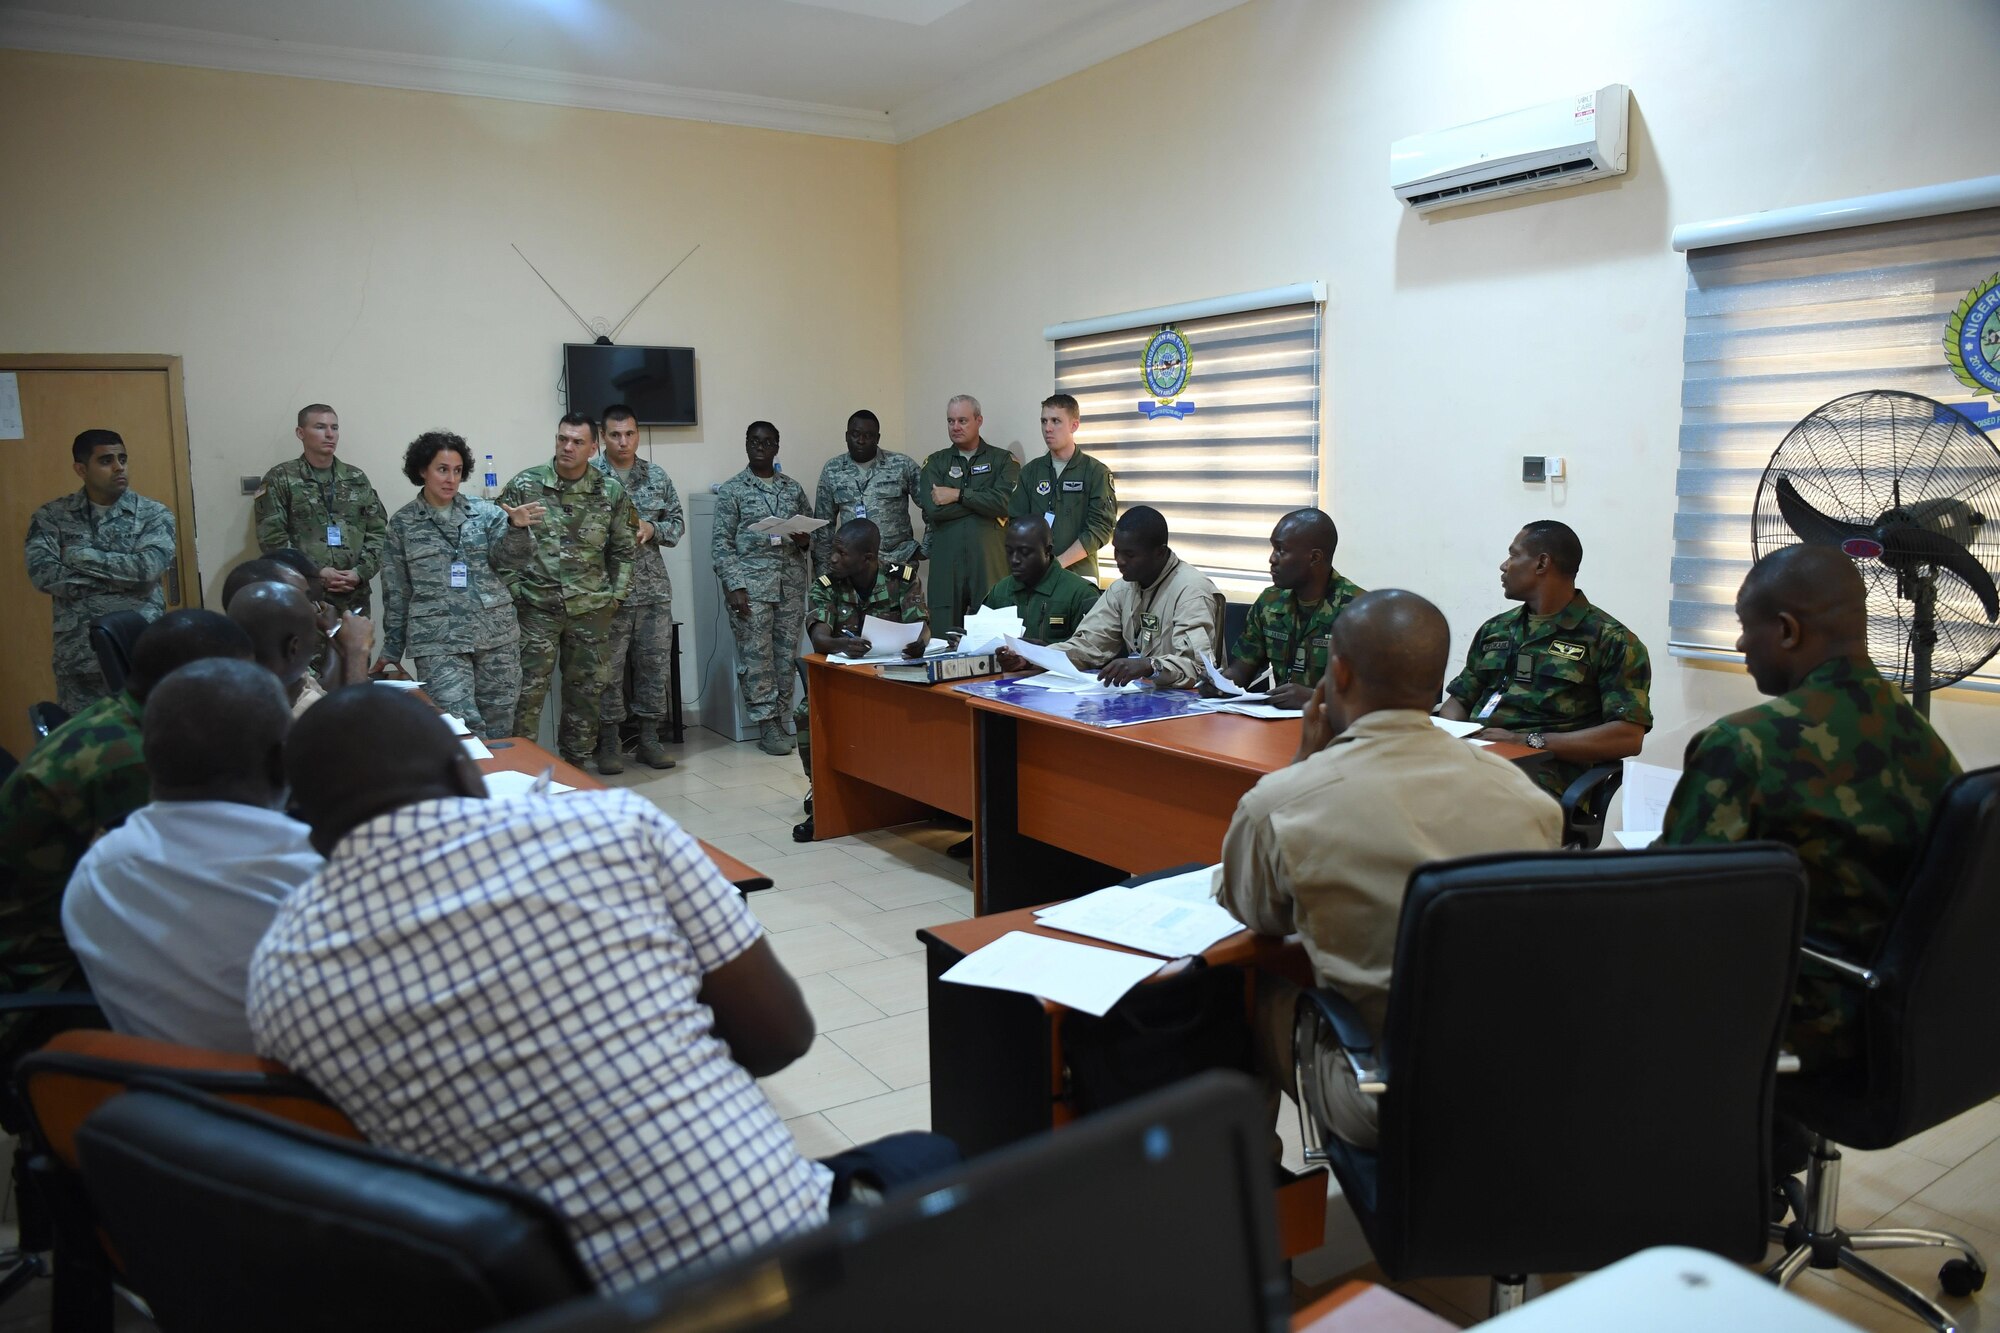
[[1558, 675], [568, 575], [95, 551], [327, 509], [1837, 764], [1075, 494], [1290, 625], [1052, 600], [964, 492], [858, 583]]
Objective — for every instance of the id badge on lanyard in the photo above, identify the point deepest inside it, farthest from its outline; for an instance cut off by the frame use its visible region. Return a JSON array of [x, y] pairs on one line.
[[458, 573], [333, 534]]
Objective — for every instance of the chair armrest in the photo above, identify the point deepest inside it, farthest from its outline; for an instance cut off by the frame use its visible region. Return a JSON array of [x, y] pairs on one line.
[[1585, 801], [1852, 974], [1356, 1041]]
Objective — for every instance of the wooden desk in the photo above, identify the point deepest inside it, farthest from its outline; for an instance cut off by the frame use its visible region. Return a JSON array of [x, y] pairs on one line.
[[885, 751], [516, 754]]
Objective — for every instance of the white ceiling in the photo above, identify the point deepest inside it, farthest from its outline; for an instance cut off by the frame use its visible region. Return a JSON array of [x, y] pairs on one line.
[[886, 70]]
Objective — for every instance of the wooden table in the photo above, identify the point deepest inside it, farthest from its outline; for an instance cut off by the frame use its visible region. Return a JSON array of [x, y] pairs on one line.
[[517, 754], [885, 751]]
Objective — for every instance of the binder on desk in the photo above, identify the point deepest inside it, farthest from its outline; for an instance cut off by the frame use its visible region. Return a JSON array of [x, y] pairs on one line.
[[945, 666]]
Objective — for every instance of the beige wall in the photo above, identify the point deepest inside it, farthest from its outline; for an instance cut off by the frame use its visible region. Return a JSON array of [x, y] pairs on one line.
[[298, 241], [1252, 150]]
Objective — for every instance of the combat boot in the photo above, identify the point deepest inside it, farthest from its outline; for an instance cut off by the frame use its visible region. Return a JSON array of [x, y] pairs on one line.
[[771, 739], [608, 758], [651, 752]]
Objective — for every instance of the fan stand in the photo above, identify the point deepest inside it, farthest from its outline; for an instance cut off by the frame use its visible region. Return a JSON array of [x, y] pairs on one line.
[[1923, 636]]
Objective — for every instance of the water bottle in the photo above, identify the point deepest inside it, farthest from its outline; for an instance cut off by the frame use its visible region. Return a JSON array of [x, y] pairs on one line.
[[491, 490]]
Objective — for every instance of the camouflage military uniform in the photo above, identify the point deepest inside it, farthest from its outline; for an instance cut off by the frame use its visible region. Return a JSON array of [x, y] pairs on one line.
[[880, 493], [1294, 646], [1080, 504], [92, 562], [299, 505], [1575, 669], [84, 779], [643, 629], [963, 537], [568, 572], [1843, 769], [895, 596], [773, 571], [466, 641], [1052, 609]]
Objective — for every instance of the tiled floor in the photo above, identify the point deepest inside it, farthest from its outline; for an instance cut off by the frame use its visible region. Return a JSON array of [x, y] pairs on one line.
[[843, 917]]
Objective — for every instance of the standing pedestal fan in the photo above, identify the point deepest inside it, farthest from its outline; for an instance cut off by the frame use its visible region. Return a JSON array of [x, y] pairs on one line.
[[1910, 490]]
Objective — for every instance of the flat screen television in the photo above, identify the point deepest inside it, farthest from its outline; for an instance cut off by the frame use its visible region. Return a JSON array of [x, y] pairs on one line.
[[657, 383]]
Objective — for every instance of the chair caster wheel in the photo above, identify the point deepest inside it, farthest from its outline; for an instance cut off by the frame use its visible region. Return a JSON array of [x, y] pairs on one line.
[[1960, 1278]]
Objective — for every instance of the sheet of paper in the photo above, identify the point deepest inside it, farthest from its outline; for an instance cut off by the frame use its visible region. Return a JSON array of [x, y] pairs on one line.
[[456, 723], [886, 641], [11, 425], [1224, 686], [475, 747], [1248, 708], [1633, 840], [1648, 788], [1081, 976], [786, 527], [1190, 886], [1141, 920], [1459, 729], [1052, 660], [988, 627], [402, 684], [509, 783]]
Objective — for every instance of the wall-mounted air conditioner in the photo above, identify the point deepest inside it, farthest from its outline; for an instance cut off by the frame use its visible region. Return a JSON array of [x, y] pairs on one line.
[[1558, 143]]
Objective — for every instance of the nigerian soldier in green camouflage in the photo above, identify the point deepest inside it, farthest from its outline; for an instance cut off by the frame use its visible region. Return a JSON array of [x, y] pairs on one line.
[[965, 492], [643, 629], [1073, 493], [567, 554], [442, 601], [868, 482], [326, 508], [1558, 675], [1052, 600], [857, 584], [84, 779], [1838, 765], [99, 550], [764, 581], [1290, 626]]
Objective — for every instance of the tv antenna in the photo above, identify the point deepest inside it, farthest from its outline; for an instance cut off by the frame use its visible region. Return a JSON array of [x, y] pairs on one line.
[[597, 333]]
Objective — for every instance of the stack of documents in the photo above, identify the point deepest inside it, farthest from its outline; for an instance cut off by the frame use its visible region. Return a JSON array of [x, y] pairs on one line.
[[886, 641], [786, 527], [987, 628], [1139, 919], [1078, 976], [1063, 675]]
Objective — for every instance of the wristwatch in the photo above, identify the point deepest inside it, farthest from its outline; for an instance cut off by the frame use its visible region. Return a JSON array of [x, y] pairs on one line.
[[1536, 741]]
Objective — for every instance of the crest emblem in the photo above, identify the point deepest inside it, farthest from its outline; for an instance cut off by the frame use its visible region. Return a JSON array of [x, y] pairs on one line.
[[957, 471], [1041, 488], [1165, 367], [1972, 338]]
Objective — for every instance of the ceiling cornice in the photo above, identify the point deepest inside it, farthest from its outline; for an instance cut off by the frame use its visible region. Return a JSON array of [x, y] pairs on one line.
[[160, 44]]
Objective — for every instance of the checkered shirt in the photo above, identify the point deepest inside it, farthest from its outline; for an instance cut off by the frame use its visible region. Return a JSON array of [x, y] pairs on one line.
[[509, 987]]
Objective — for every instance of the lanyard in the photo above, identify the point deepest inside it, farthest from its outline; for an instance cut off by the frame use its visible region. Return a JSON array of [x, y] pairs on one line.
[[329, 490], [454, 534]]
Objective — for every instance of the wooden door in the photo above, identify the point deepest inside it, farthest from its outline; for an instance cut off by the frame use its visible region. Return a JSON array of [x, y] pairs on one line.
[[61, 396]]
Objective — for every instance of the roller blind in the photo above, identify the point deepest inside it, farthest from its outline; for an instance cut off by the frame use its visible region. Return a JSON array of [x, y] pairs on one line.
[[1245, 454], [1777, 327]]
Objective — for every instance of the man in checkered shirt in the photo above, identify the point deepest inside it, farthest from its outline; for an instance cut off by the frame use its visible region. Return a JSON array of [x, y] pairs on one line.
[[562, 993]]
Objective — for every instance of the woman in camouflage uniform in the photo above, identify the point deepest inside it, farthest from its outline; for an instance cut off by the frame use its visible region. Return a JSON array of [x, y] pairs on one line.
[[442, 601]]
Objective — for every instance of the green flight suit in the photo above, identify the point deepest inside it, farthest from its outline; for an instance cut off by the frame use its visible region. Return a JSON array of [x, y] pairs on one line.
[[834, 602], [1053, 608], [1573, 670], [1291, 639], [1844, 770], [299, 506], [963, 537], [1081, 505]]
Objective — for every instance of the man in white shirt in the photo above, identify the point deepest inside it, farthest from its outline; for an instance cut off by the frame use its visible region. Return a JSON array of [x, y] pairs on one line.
[[1326, 846], [165, 910], [558, 992]]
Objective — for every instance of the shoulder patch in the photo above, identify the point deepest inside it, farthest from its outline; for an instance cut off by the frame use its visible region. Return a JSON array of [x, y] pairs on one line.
[[909, 572], [826, 580]]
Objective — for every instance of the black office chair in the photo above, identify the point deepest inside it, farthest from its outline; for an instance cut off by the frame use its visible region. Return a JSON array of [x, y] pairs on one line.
[[226, 1220], [45, 717], [1233, 616], [111, 638], [1931, 1032], [1585, 803], [1577, 1062]]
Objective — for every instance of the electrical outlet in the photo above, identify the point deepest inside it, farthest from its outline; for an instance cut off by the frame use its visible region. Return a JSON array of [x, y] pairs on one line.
[[1534, 468], [250, 485]]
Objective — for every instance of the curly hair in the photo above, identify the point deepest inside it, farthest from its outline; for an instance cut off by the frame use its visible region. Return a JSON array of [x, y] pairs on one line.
[[427, 447]]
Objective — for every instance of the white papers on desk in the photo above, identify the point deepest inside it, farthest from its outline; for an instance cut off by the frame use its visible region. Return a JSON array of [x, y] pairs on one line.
[[1647, 788], [509, 783], [1140, 920], [400, 684], [887, 639], [1190, 886], [1079, 976], [988, 627], [1247, 708], [475, 747], [456, 723], [1634, 840], [789, 526], [1458, 729], [1052, 660], [1229, 689]]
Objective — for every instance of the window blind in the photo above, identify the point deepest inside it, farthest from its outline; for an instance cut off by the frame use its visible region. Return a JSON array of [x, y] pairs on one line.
[[1775, 328], [1246, 454]]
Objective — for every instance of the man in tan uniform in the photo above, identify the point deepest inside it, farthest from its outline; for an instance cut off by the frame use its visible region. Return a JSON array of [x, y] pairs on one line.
[[1325, 846], [1159, 622]]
